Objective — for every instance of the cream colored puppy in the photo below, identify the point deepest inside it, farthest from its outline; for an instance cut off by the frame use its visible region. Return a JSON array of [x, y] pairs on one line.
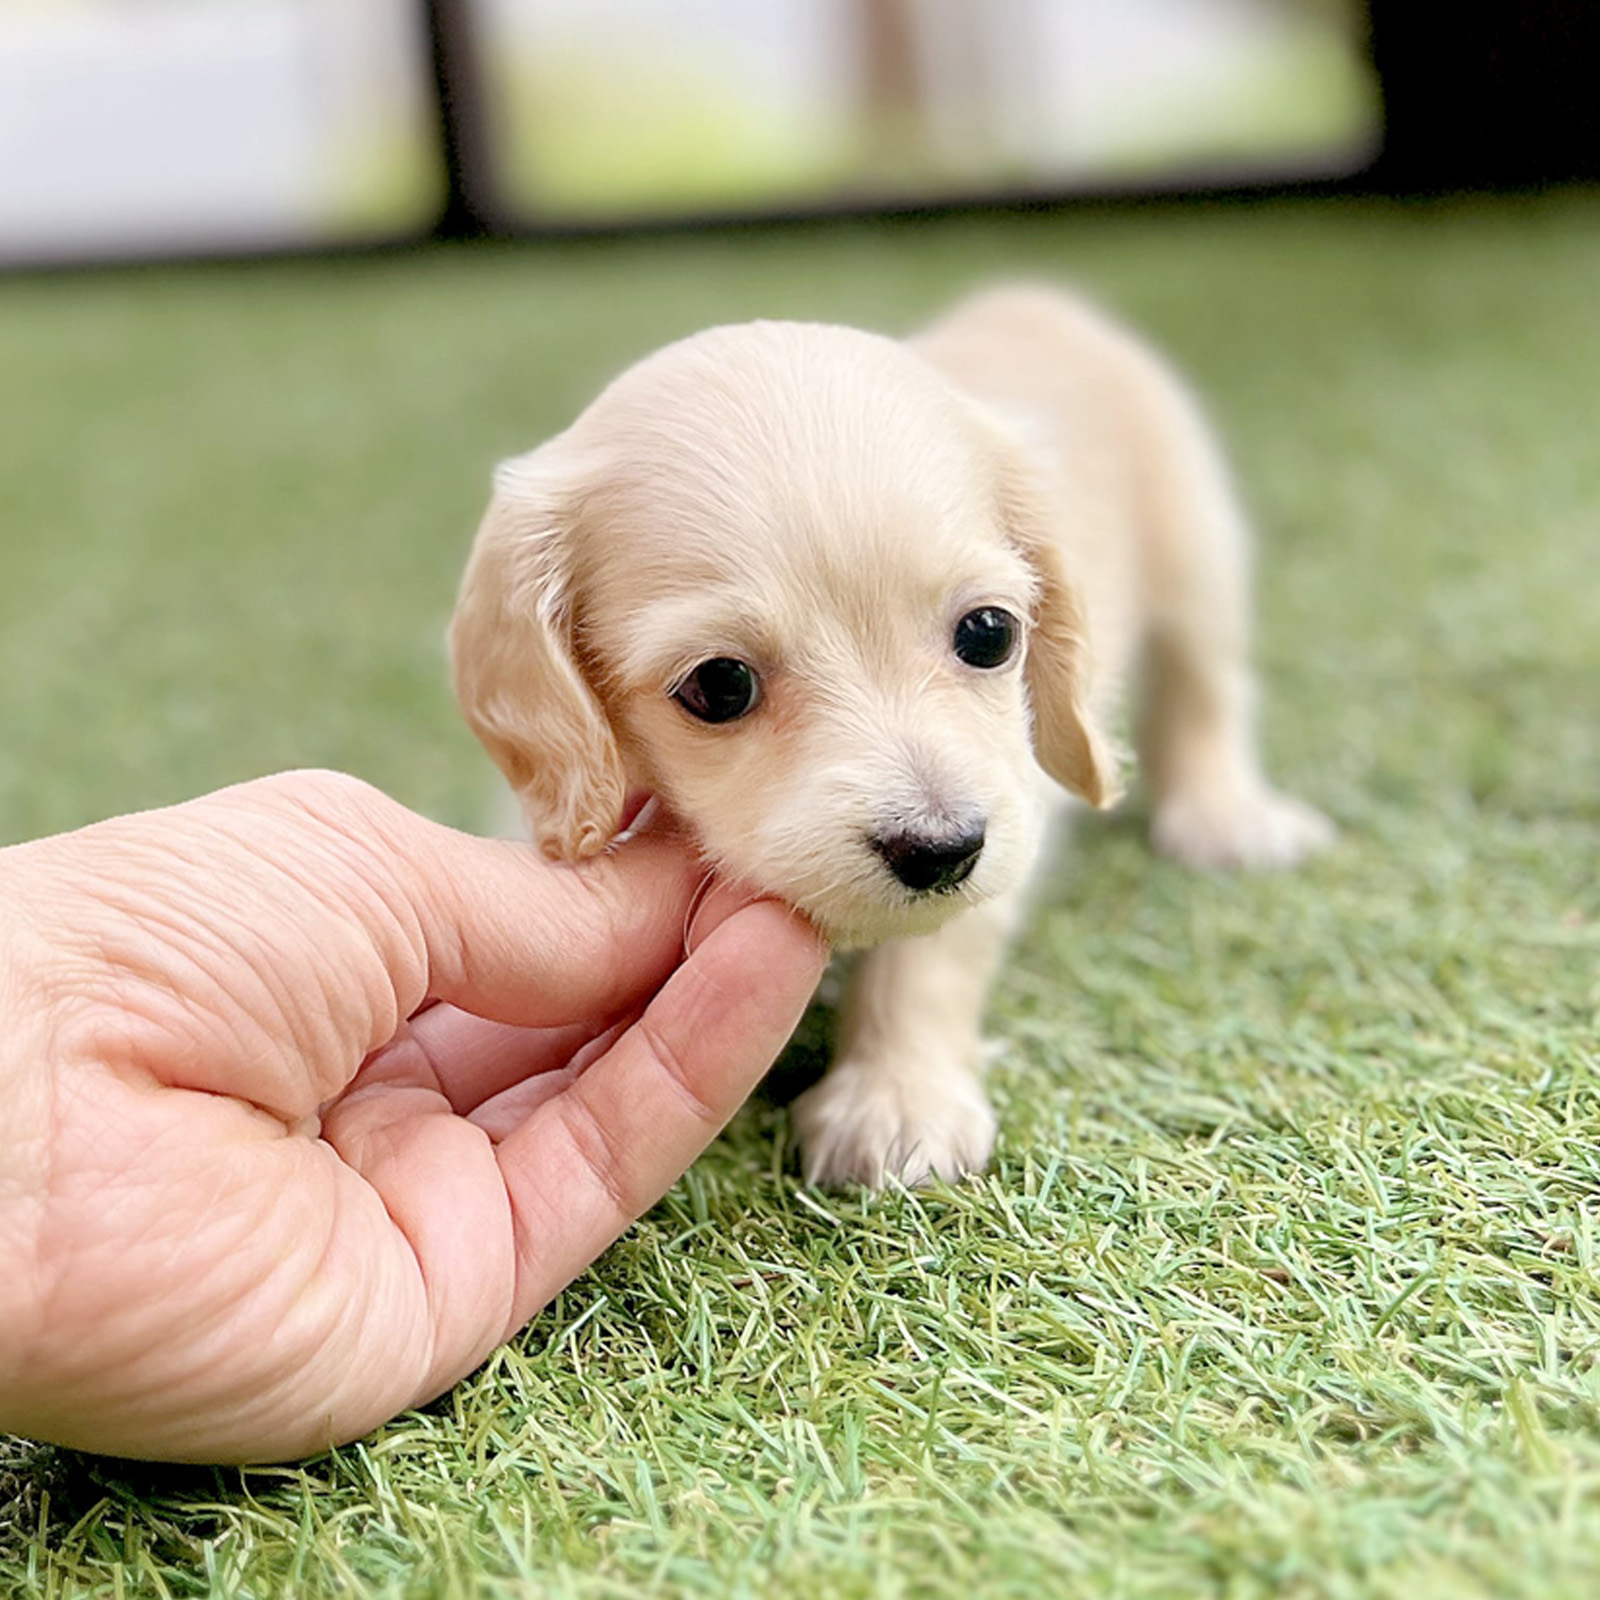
[[859, 612]]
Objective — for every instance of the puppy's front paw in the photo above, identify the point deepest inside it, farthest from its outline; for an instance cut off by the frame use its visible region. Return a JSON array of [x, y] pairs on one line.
[[864, 1124], [1257, 830]]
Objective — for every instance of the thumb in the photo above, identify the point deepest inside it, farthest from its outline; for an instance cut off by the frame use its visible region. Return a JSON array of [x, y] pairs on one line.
[[513, 937], [485, 924]]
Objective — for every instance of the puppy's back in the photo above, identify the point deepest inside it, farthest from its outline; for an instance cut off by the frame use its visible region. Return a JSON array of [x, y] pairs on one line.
[[1113, 431]]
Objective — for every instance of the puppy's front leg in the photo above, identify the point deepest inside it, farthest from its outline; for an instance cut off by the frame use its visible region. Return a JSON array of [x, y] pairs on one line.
[[905, 1097]]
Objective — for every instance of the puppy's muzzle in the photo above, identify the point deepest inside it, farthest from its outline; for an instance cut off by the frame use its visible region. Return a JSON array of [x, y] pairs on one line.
[[930, 863]]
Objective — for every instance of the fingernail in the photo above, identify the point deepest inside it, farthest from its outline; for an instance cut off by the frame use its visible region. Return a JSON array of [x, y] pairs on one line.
[[716, 902], [652, 819], [637, 813], [720, 901]]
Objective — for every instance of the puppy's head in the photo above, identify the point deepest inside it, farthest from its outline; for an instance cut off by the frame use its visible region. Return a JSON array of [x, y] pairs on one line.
[[788, 579]]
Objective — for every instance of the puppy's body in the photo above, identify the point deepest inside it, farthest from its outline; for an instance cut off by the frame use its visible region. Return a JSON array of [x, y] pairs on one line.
[[1151, 531], [929, 569]]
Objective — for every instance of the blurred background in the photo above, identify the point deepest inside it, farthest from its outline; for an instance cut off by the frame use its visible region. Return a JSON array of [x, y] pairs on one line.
[[143, 126], [280, 279]]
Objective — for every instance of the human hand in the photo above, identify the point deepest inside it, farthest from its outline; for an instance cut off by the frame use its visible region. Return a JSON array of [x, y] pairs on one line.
[[256, 1194]]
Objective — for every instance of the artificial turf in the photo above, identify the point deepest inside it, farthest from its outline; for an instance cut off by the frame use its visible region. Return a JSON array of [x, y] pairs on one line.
[[1284, 1280]]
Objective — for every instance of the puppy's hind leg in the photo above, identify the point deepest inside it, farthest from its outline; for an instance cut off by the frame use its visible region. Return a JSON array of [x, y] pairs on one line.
[[1212, 806], [905, 1099]]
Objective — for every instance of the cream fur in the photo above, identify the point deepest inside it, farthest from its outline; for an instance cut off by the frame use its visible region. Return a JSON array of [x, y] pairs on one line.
[[824, 504]]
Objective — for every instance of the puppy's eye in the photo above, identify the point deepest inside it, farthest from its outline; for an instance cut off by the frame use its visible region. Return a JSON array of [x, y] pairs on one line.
[[720, 690], [986, 637]]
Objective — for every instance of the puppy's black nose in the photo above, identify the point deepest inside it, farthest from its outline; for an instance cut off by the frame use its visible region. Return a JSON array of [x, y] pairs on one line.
[[931, 863]]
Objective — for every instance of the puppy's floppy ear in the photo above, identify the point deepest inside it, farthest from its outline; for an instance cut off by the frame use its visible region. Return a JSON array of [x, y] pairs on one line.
[[1067, 742], [517, 676]]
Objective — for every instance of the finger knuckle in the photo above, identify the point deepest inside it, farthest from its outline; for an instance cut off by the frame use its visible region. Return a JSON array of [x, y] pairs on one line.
[[674, 1069], [602, 1155]]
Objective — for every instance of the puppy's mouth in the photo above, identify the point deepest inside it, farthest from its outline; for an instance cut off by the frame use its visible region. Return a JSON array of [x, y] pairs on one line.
[[903, 879], [865, 923], [917, 880]]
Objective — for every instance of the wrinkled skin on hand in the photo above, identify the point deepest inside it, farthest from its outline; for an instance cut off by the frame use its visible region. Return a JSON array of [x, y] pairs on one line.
[[309, 1103]]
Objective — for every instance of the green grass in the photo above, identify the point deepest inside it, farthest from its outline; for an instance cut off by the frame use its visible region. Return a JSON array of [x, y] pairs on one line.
[[1284, 1282]]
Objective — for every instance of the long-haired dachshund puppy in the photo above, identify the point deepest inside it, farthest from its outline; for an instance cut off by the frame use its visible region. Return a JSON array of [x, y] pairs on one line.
[[858, 612]]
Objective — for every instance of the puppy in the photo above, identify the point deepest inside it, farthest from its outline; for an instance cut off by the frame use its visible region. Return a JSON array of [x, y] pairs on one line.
[[860, 612]]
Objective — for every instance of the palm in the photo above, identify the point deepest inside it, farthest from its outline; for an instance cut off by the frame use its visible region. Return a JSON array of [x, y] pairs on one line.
[[225, 1282]]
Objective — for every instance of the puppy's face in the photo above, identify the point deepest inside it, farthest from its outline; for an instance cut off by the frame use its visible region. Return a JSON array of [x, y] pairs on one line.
[[828, 687], [776, 575]]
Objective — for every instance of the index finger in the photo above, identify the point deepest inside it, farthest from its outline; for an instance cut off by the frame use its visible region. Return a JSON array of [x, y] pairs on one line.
[[588, 1162]]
